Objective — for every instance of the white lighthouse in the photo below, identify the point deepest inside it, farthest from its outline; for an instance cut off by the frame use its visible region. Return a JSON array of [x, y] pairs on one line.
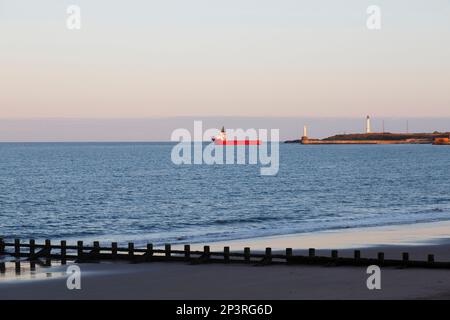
[[368, 130], [304, 139]]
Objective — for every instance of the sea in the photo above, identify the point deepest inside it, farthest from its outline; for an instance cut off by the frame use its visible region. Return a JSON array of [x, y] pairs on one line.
[[134, 192]]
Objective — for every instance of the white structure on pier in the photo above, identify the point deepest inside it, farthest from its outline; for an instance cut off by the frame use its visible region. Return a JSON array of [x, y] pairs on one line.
[[368, 129]]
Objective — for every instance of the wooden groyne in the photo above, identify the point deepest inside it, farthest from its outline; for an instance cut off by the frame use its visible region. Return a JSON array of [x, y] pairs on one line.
[[44, 253]]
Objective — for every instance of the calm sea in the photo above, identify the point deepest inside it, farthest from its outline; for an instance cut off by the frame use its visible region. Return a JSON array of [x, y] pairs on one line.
[[133, 192]]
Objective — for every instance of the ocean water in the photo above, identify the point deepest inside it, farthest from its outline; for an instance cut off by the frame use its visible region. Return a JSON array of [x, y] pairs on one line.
[[133, 192]]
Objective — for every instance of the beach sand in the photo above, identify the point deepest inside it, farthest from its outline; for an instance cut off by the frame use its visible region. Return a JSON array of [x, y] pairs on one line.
[[408, 235], [183, 281], [218, 281]]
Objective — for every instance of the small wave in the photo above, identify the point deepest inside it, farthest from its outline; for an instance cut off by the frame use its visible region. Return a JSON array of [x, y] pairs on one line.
[[244, 220]]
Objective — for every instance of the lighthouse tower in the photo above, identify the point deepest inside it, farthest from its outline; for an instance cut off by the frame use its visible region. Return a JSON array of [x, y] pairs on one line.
[[368, 129], [304, 138]]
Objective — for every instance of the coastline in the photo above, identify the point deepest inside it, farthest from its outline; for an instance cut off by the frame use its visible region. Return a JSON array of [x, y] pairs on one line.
[[174, 280], [415, 234]]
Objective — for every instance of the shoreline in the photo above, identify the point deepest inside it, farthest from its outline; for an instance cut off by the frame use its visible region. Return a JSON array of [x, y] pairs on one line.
[[413, 234], [432, 231], [179, 280]]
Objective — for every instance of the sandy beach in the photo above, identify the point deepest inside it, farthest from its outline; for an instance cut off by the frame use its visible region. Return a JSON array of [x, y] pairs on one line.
[[190, 282], [216, 281]]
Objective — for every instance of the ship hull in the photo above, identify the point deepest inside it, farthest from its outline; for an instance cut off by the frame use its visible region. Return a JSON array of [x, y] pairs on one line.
[[237, 142]]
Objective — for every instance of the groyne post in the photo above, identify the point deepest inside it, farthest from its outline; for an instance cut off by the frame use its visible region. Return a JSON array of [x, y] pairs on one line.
[[130, 250], [380, 257], [226, 254], [63, 251], [334, 254], [268, 255], [405, 258], [206, 252], [17, 266], [149, 251], [167, 250], [247, 254], [48, 246], [288, 252], [17, 248], [96, 250], [114, 250], [2, 246], [32, 253], [48, 251], [32, 247], [187, 251], [80, 249]]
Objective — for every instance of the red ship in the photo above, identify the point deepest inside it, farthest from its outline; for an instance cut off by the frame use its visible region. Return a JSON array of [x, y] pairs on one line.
[[221, 139]]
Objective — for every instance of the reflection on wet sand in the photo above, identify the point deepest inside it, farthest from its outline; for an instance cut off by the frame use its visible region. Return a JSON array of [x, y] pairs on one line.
[[19, 269]]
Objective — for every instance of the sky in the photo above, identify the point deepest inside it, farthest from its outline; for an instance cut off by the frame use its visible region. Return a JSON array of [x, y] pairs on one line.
[[245, 59]]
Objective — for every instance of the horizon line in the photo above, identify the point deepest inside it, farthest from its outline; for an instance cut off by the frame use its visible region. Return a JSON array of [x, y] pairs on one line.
[[222, 116]]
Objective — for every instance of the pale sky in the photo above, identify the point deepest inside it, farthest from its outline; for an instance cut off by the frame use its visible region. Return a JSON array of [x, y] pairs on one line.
[[287, 58]]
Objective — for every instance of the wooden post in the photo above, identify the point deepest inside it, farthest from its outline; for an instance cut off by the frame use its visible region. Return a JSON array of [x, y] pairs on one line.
[[187, 251], [247, 254], [168, 249], [114, 250], [312, 252], [405, 257], [334, 254], [206, 252], [357, 254], [32, 247], [130, 250], [17, 265], [431, 258], [288, 255], [380, 257], [32, 265], [48, 246], [80, 249], [288, 252], [226, 254], [268, 255], [63, 251], [32, 253], [96, 250], [2, 246], [149, 251], [17, 248]]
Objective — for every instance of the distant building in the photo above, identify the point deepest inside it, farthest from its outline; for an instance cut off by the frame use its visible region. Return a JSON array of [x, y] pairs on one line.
[[304, 138], [368, 129]]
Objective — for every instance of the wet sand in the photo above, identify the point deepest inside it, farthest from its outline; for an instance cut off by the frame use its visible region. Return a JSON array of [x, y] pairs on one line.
[[219, 281], [190, 282], [410, 235]]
